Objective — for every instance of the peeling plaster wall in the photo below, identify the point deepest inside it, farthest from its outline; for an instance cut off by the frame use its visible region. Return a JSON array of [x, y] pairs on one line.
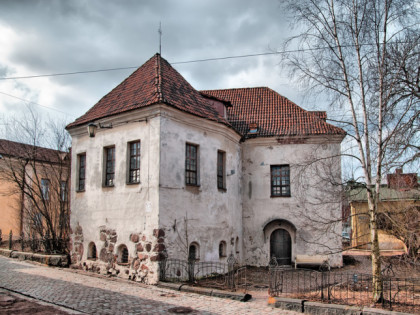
[[122, 210], [308, 197], [204, 215]]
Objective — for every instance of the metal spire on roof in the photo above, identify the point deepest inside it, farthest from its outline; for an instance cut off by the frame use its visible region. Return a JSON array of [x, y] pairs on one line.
[[160, 38]]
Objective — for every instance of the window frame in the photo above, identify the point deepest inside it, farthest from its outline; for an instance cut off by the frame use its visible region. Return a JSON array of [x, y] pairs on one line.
[[63, 191], [107, 173], [45, 189], [81, 170], [222, 249], [276, 180], [131, 157], [190, 163], [221, 170], [196, 247]]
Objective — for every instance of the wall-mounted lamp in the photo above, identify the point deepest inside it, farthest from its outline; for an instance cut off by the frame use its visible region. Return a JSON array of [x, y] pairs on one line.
[[92, 128]]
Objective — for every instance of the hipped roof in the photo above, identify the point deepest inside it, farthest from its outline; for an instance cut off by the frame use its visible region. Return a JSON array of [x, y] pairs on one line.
[[157, 82]]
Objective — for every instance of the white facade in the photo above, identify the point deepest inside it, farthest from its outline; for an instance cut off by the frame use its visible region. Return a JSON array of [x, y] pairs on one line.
[[163, 213]]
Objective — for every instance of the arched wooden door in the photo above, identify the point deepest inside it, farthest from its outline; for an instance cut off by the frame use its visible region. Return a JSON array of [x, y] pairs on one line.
[[281, 246]]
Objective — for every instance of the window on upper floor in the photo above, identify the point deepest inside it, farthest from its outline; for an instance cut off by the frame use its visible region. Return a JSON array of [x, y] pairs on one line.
[[63, 191], [81, 174], [45, 189], [134, 162], [191, 164], [221, 170], [280, 181], [109, 166]]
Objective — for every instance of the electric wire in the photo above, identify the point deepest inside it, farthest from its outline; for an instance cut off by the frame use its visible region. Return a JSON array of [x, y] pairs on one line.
[[187, 61]]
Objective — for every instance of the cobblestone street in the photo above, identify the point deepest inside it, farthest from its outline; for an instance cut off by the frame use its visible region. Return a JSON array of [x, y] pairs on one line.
[[93, 295]]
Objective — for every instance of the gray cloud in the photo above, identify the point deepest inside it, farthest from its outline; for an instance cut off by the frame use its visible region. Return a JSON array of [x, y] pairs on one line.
[[67, 36]]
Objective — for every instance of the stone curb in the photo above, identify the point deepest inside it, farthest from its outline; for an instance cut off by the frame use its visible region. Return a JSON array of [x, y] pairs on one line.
[[316, 308], [203, 291], [6, 252], [377, 311], [50, 260]]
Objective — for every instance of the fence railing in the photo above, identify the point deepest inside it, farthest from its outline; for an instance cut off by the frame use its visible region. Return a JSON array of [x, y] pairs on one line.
[[209, 274], [34, 244], [342, 288]]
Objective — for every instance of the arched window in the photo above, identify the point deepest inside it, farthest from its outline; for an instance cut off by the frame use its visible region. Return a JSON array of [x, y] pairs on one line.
[[194, 251], [122, 254], [222, 249], [92, 251]]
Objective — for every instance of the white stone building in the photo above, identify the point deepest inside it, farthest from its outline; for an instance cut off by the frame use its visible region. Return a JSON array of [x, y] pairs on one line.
[[157, 165]]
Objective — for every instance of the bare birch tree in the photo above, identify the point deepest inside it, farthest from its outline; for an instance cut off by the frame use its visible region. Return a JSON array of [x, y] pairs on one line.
[[40, 176], [363, 54]]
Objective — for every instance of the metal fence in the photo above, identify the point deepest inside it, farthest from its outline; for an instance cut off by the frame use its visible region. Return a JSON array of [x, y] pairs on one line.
[[342, 288], [209, 274], [44, 244]]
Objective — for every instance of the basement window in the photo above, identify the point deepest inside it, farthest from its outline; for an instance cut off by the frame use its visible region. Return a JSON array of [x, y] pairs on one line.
[[122, 254], [194, 251], [92, 255], [222, 249]]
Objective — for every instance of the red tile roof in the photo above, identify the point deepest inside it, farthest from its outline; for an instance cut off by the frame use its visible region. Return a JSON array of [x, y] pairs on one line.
[[27, 151], [157, 82], [154, 82], [274, 114]]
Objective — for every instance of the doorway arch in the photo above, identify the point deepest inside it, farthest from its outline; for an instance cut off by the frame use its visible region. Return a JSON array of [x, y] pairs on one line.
[[281, 246]]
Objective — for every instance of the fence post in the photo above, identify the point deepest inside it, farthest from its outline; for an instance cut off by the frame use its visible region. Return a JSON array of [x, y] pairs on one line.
[[162, 266], [22, 245], [191, 262], [231, 271], [10, 239]]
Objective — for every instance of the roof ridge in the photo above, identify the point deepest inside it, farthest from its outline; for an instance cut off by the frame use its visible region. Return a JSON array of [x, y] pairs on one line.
[[244, 88], [159, 79]]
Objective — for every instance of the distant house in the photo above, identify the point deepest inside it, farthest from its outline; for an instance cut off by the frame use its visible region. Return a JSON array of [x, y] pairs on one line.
[[400, 195], [33, 189], [161, 166]]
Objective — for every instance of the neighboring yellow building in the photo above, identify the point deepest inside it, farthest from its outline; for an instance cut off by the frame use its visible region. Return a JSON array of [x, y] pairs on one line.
[[10, 207], [41, 169], [400, 199]]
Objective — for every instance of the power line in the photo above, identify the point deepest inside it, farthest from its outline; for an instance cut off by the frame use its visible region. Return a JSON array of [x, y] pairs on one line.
[[188, 61], [24, 100]]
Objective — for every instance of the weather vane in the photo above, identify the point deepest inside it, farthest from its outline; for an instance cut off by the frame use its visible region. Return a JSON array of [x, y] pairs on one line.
[[160, 38]]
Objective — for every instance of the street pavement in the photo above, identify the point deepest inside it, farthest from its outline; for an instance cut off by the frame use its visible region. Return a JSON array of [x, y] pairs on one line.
[[98, 295]]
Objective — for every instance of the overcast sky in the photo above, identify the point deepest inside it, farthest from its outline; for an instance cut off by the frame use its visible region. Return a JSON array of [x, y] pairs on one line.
[[46, 37]]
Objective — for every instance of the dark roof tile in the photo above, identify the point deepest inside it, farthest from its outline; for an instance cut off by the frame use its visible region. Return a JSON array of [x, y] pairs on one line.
[[274, 114], [154, 82]]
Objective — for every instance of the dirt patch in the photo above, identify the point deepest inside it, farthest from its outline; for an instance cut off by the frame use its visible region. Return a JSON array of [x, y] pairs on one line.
[[10, 304]]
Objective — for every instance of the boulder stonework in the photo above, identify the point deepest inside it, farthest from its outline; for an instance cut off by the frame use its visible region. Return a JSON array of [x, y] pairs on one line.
[[145, 251], [160, 121]]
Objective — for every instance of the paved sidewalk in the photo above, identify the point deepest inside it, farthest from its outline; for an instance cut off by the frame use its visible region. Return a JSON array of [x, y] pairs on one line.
[[95, 295]]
